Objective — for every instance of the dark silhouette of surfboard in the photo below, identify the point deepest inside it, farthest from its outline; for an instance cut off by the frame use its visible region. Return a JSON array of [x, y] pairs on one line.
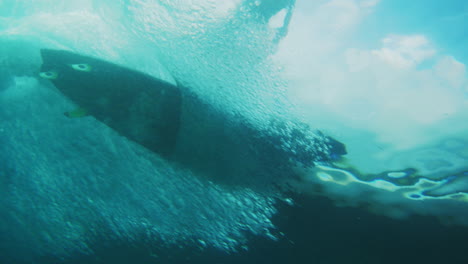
[[173, 122], [139, 107]]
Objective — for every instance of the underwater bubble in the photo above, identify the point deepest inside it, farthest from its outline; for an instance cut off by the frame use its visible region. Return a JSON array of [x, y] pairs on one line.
[[397, 174]]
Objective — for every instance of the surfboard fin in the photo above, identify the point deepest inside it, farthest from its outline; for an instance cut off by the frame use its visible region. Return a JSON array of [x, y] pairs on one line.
[[51, 75], [81, 67], [76, 113]]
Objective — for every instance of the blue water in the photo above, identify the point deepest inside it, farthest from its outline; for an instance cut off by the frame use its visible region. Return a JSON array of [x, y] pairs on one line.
[[386, 78]]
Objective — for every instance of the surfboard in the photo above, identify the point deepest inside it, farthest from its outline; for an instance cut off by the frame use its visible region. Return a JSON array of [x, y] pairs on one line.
[[144, 109]]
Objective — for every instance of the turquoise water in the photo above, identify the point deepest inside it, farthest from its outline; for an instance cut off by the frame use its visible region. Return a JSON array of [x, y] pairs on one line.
[[386, 78]]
